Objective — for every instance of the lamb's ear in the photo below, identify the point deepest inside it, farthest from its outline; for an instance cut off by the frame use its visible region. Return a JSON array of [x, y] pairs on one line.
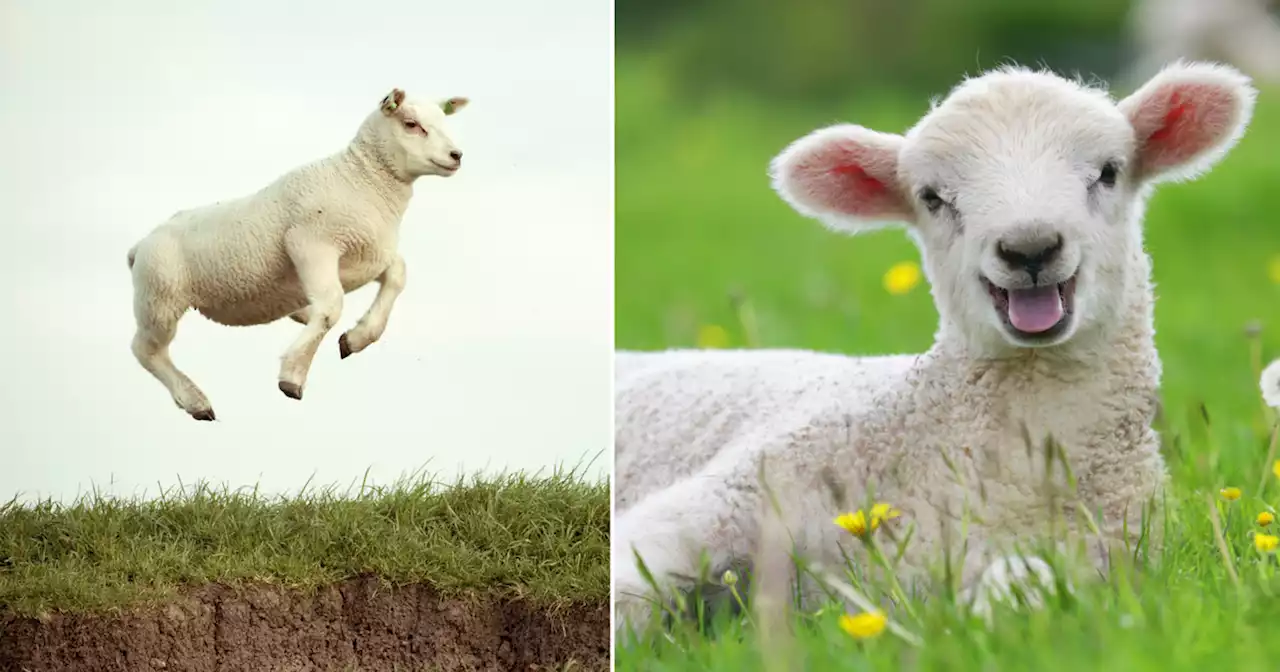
[[392, 101], [453, 104], [1186, 118], [846, 176]]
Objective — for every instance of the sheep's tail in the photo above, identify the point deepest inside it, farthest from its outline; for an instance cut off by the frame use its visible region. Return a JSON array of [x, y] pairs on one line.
[[133, 253]]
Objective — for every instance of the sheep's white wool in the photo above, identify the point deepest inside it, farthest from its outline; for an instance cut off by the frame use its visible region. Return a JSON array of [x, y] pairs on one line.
[[1025, 194], [294, 248], [1270, 382]]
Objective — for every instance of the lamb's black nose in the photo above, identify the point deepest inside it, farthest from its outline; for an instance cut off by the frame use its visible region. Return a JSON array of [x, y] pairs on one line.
[[456, 155], [1030, 255]]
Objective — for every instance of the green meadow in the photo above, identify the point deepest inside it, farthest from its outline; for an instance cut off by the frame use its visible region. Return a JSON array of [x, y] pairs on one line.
[[541, 538]]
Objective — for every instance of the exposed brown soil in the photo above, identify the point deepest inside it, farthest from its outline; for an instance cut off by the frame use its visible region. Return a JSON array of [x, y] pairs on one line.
[[355, 626]]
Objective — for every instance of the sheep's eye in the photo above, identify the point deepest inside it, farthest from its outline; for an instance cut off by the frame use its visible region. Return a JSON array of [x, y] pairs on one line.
[[931, 199], [411, 125], [1107, 177]]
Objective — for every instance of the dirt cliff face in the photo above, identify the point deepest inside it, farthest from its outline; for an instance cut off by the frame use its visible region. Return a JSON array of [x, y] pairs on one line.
[[357, 625]]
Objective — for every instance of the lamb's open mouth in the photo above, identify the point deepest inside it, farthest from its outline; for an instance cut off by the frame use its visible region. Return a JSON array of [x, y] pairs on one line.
[[1035, 313]]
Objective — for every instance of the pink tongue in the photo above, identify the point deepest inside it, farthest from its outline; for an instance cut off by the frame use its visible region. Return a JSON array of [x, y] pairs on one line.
[[1035, 310]]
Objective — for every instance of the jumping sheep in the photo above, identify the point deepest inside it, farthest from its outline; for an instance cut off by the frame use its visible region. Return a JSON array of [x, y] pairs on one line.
[[1025, 193], [294, 248]]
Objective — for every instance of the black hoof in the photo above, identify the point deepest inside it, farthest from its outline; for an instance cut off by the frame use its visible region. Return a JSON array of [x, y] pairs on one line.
[[206, 415], [344, 348], [291, 390]]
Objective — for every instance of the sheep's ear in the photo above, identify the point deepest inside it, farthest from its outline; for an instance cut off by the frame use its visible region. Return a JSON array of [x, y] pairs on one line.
[[453, 104], [845, 176], [392, 101], [1186, 118]]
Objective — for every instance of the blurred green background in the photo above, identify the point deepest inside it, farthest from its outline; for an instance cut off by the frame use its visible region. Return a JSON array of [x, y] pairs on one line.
[[708, 91]]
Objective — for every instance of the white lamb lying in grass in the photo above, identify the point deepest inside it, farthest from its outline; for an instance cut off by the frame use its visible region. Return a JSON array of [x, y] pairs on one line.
[[294, 249], [1025, 193]]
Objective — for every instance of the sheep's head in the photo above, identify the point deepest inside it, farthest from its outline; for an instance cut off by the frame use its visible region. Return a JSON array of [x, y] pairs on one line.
[[412, 134], [1023, 190]]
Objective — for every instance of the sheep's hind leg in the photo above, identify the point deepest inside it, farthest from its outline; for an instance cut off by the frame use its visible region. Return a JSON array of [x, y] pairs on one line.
[[157, 325], [374, 322], [316, 262], [670, 530]]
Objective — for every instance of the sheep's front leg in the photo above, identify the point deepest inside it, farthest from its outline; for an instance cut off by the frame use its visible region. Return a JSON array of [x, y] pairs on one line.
[[998, 569], [370, 327], [316, 263], [1007, 576]]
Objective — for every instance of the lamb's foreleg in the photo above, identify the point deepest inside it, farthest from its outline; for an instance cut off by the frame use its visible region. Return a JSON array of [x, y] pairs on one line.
[[316, 262], [996, 572], [1005, 578], [370, 327], [997, 567], [670, 530]]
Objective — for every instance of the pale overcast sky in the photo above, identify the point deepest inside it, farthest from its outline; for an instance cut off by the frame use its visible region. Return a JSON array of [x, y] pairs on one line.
[[114, 115]]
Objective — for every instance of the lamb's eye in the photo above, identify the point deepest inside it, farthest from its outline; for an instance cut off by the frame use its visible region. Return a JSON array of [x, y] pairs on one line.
[[929, 196], [411, 125], [1107, 177]]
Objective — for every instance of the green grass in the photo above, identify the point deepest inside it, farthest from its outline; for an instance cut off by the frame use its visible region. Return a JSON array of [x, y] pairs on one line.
[[541, 538], [702, 240]]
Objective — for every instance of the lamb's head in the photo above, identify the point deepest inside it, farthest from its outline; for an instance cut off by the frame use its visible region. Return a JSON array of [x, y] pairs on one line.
[[1024, 191], [411, 134]]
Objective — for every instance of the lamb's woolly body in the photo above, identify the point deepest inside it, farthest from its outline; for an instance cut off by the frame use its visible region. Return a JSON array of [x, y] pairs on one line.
[[895, 426], [229, 258], [1014, 156], [697, 426], [293, 248]]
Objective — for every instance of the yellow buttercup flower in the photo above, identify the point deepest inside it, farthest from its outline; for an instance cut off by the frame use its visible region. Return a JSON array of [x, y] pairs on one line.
[[1266, 518], [902, 277], [712, 336], [1265, 543], [881, 512], [855, 523], [1275, 468], [865, 625], [1230, 494], [1273, 269]]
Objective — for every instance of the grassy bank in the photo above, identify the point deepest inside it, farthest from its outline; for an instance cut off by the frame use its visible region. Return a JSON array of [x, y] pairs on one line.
[[545, 539], [708, 255]]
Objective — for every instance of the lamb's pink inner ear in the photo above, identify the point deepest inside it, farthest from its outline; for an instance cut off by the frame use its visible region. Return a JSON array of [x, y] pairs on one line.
[[1177, 122], [852, 179]]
